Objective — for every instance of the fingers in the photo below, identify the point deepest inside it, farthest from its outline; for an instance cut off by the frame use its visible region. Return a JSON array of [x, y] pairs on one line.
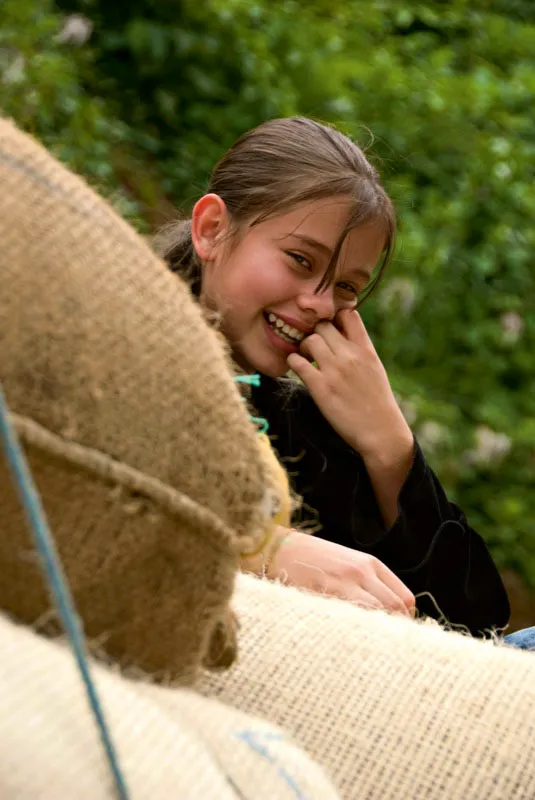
[[305, 370], [328, 339], [363, 572], [330, 569], [371, 594], [323, 344], [341, 339], [397, 587], [317, 347], [372, 576], [352, 327], [320, 581], [327, 332], [388, 599], [357, 595]]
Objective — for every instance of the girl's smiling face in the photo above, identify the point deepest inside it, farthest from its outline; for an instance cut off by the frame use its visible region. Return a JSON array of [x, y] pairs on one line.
[[263, 284]]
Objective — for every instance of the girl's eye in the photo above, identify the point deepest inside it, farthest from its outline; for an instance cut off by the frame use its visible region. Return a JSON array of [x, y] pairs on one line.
[[348, 290], [301, 260]]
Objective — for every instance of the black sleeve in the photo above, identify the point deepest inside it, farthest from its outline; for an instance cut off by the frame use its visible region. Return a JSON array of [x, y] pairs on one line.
[[431, 547], [444, 562]]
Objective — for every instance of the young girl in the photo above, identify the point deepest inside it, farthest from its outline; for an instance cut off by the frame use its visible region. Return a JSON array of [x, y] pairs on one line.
[[295, 232]]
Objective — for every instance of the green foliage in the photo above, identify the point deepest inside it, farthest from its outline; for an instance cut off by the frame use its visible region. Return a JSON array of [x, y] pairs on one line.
[[41, 88], [440, 92]]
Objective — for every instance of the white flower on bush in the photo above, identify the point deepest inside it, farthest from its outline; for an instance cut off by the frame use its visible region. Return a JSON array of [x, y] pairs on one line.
[[431, 435], [15, 71], [490, 447], [502, 170], [512, 327], [76, 30], [399, 293], [408, 409]]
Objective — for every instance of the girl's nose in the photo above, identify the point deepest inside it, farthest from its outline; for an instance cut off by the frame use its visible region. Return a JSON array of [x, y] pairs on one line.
[[321, 304]]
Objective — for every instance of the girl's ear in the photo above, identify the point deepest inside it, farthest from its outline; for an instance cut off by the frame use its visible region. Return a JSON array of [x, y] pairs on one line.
[[209, 222]]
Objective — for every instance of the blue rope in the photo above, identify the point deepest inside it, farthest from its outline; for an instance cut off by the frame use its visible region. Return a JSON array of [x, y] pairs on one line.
[[58, 582]]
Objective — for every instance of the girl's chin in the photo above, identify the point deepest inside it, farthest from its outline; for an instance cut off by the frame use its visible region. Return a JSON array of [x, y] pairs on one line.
[[274, 371], [266, 363]]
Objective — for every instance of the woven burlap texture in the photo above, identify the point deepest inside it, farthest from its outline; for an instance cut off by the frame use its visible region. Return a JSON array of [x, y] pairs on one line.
[[172, 744], [393, 709], [142, 450]]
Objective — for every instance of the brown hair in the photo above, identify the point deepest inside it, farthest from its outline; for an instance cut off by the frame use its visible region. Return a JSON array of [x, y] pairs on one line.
[[277, 166]]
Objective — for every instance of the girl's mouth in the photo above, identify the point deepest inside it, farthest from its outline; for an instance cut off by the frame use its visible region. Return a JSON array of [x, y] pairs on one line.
[[286, 332]]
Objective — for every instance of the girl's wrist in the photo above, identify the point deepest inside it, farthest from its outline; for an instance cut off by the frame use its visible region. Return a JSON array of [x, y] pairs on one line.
[[392, 446], [269, 570], [262, 564]]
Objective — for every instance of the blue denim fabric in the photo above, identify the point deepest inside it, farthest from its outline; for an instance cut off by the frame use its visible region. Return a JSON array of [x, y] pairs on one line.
[[524, 639]]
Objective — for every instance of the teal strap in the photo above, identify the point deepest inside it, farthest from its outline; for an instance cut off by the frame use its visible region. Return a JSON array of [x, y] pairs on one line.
[[251, 380], [254, 380]]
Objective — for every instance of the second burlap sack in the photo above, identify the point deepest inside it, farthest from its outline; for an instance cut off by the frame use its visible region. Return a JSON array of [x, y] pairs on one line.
[[393, 709], [146, 461], [171, 744]]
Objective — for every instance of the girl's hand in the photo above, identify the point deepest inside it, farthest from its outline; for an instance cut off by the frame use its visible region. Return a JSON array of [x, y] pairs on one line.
[[327, 568], [351, 388]]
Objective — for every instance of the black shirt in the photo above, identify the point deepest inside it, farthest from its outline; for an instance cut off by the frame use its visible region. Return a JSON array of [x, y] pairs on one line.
[[430, 547]]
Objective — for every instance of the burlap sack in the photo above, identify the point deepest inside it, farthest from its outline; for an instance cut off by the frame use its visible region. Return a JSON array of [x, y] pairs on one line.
[[393, 709], [172, 744], [142, 450]]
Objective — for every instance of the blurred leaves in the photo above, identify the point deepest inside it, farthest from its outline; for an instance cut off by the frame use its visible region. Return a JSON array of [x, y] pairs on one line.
[[143, 97]]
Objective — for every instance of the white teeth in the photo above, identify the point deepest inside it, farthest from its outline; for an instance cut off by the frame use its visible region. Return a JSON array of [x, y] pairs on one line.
[[283, 327]]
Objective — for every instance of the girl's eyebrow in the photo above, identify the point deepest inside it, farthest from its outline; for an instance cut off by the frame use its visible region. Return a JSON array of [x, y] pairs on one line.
[[315, 243], [326, 250]]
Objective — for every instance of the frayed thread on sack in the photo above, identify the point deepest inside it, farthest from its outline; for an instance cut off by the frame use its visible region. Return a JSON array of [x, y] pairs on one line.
[[493, 634]]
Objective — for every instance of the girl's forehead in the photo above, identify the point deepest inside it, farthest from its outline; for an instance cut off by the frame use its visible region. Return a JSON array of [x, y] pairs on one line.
[[326, 215]]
